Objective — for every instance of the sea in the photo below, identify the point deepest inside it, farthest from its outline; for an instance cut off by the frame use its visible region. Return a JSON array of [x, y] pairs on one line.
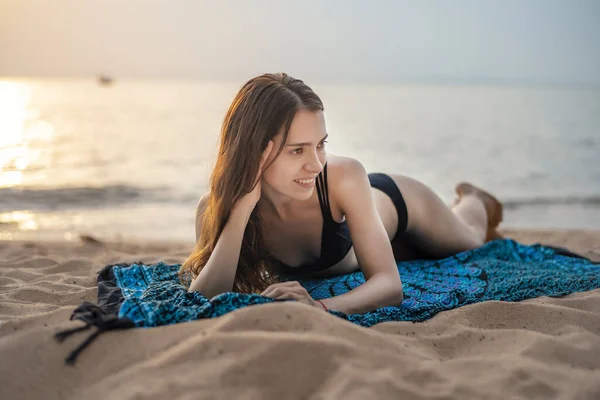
[[129, 160]]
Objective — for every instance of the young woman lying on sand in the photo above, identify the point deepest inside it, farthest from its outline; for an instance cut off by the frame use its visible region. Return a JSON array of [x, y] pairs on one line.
[[280, 205]]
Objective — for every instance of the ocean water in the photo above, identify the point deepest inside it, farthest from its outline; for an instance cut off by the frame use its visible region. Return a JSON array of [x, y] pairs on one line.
[[130, 160]]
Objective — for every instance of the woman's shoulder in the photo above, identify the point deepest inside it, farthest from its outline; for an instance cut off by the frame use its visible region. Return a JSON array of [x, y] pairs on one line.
[[343, 171], [345, 176]]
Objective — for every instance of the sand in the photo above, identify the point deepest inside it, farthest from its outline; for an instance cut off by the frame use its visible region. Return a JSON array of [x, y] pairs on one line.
[[542, 348]]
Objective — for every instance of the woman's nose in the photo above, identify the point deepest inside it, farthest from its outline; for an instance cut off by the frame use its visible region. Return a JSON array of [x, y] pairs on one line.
[[315, 164]]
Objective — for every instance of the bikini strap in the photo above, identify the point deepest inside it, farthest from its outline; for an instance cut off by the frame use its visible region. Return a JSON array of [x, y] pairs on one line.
[[323, 193]]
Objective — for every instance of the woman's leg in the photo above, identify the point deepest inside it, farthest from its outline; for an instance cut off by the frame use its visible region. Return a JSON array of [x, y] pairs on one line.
[[439, 230]]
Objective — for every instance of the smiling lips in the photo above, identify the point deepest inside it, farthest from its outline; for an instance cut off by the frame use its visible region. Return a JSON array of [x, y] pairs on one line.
[[305, 181]]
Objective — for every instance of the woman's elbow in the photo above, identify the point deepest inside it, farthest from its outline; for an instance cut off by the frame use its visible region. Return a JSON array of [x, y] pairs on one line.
[[401, 296], [397, 295], [391, 291], [209, 289]]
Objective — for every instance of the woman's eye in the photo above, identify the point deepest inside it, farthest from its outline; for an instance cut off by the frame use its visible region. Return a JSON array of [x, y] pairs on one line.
[[298, 151]]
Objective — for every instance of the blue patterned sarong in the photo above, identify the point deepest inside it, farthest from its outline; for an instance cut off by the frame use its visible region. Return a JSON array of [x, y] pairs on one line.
[[500, 270], [139, 295]]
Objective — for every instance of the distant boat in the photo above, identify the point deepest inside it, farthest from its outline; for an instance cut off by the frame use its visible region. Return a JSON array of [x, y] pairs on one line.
[[105, 80]]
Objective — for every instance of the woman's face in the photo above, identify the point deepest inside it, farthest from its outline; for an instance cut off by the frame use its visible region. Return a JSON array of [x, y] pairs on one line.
[[302, 157]]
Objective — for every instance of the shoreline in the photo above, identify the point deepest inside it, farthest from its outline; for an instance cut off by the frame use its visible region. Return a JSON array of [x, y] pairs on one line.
[[575, 239]]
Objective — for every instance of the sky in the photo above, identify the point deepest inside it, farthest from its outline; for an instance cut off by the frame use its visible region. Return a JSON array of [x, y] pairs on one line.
[[536, 41]]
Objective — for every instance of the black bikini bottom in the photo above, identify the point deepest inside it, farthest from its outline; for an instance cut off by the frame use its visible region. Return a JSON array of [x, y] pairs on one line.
[[387, 185]]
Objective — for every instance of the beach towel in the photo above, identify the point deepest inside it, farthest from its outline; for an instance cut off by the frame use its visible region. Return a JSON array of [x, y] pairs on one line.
[[140, 295]]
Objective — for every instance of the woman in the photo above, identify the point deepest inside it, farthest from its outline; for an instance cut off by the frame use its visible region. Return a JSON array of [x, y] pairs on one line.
[[279, 205]]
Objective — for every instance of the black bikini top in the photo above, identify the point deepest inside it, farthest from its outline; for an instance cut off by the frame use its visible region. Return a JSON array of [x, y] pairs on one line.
[[335, 237]]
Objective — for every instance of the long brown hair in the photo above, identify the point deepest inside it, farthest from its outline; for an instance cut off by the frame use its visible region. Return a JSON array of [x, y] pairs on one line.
[[264, 107]]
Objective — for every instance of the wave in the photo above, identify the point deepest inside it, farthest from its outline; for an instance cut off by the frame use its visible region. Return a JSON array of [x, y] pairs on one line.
[[65, 198], [582, 200]]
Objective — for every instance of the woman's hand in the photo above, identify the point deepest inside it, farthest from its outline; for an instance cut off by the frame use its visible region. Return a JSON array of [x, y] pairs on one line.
[[250, 199], [291, 290]]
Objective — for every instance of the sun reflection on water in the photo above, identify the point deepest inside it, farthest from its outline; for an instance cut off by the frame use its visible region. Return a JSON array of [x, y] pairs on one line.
[[23, 219], [23, 138], [22, 134]]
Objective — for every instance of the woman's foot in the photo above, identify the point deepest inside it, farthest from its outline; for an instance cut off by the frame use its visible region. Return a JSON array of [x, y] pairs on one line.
[[493, 207]]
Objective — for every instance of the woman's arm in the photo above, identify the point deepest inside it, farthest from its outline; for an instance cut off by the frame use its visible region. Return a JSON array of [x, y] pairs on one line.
[[218, 274], [202, 204], [383, 286]]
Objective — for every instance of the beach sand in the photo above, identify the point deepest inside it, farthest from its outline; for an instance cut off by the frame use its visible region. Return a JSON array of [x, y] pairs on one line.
[[542, 348]]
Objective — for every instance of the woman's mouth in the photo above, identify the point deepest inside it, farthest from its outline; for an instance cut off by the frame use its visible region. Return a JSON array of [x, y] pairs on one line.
[[306, 183]]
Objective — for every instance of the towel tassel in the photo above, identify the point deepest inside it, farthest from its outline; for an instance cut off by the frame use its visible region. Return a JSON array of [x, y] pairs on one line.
[[92, 315]]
